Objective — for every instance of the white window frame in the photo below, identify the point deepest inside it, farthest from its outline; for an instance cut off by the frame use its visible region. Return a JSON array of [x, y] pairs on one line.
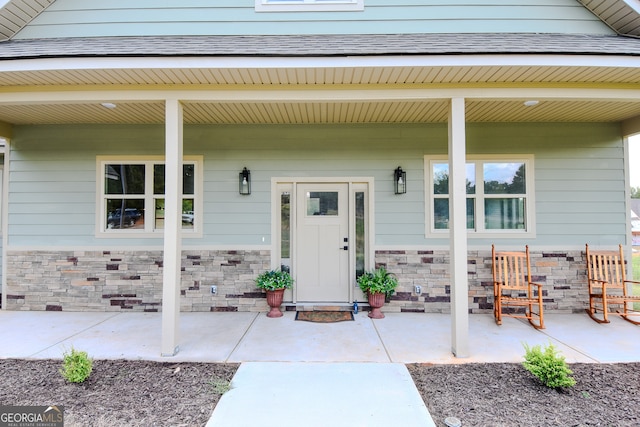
[[308, 5], [149, 230], [479, 196]]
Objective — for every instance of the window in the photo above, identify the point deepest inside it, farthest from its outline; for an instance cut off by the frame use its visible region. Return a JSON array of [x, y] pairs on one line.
[[499, 195], [308, 5], [132, 195]]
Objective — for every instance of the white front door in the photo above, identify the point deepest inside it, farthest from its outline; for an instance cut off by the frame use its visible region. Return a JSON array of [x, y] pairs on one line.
[[322, 232]]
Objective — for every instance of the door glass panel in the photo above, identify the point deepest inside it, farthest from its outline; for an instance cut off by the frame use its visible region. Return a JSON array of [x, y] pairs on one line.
[[285, 231], [159, 216], [322, 203], [360, 233]]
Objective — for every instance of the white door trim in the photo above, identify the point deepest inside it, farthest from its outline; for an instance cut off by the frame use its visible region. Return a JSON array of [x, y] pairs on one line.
[[282, 184]]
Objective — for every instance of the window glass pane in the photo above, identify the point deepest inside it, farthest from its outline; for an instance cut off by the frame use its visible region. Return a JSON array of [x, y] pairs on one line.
[[187, 214], [322, 203], [285, 231], [159, 214], [133, 213], [188, 179], [158, 179], [470, 169], [441, 178], [124, 179], [360, 233], [504, 178], [441, 214], [504, 214], [471, 213]]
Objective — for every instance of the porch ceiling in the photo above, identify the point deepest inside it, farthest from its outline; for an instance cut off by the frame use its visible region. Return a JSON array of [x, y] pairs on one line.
[[146, 106]]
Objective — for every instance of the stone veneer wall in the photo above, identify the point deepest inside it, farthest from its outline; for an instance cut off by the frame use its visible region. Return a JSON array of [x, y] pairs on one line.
[[562, 273], [132, 280]]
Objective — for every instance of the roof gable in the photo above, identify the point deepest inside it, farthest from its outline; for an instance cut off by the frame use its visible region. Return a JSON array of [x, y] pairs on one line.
[[116, 18], [15, 14], [623, 16]]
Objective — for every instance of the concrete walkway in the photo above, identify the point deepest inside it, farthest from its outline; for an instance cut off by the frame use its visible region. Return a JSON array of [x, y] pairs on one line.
[[348, 373]]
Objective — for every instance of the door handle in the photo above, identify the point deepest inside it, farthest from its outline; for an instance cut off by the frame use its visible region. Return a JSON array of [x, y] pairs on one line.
[[344, 248]]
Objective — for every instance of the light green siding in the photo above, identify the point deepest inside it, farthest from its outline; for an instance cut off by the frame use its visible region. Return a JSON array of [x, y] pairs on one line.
[[579, 177], [82, 18]]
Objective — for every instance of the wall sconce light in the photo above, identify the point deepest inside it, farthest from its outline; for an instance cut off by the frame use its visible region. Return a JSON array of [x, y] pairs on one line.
[[244, 182], [400, 181]]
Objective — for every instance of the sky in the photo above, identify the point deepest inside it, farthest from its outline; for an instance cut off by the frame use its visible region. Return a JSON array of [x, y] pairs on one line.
[[634, 160]]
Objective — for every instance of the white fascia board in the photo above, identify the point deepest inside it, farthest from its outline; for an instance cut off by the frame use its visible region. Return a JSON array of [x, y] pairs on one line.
[[56, 64]]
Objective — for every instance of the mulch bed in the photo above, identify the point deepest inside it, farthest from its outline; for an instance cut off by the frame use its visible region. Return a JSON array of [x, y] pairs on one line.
[[505, 394], [144, 393]]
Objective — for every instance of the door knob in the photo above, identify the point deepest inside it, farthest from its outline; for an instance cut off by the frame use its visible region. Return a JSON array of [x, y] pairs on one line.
[[344, 248]]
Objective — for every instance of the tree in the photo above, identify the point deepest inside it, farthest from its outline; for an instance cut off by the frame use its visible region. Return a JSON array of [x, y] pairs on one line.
[[635, 192]]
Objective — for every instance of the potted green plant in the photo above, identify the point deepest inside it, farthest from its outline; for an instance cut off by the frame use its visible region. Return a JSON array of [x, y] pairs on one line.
[[274, 282], [377, 285]]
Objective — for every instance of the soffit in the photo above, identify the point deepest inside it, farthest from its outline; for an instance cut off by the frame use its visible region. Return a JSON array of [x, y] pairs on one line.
[[622, 16], [425, 111], [17, 13]]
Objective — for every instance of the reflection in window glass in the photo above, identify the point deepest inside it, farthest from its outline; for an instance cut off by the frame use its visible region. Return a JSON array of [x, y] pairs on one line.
[[124, 179], [504, 178], [159, 216], [441, 213], [187, 214], [322, 203], [133, 213], [360, 234], [140, 188], [504, 214], [285, 231], [441, 178]]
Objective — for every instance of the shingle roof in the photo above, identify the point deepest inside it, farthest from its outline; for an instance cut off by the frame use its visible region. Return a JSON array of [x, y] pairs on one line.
[[322, 45]]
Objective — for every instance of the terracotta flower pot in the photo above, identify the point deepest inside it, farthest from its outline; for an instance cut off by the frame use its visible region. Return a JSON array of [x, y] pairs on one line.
[[376, 301], [274, 299]]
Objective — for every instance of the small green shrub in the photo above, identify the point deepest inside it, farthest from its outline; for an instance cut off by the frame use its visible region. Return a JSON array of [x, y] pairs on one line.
[[548, 366], [76, 366]]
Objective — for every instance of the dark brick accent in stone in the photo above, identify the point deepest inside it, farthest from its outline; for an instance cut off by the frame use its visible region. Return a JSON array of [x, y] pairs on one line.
[[159, 263], [93, 279], [119, 295], [447, 289], [232, 263], [224, 309], [116, 259], [112, 266], [392, 252], [125, 303], [53, 308], [9, 296], [425, 252], [471, 261], [130, 277], [404, 296], [106, 252], [73, 259], [194, 257], [427, 260], [183, 292], [195, 263], [437, 299], [552, 255], [195, 287], [537, 279], [412, 310], [561, 287]]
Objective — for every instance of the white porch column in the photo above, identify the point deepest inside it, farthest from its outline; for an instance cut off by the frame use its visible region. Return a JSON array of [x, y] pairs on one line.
[[172, 228], [458, 229]]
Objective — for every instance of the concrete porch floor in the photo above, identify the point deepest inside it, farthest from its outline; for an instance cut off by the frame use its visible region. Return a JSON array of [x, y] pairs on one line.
[[323, 371], [249, 337]]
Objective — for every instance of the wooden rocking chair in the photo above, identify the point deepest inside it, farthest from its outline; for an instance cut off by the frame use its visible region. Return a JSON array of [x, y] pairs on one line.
[[513, 288], [608, 285]]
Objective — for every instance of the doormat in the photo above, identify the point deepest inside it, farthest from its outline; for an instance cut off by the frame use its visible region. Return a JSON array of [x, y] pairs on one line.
[[324, 316]]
